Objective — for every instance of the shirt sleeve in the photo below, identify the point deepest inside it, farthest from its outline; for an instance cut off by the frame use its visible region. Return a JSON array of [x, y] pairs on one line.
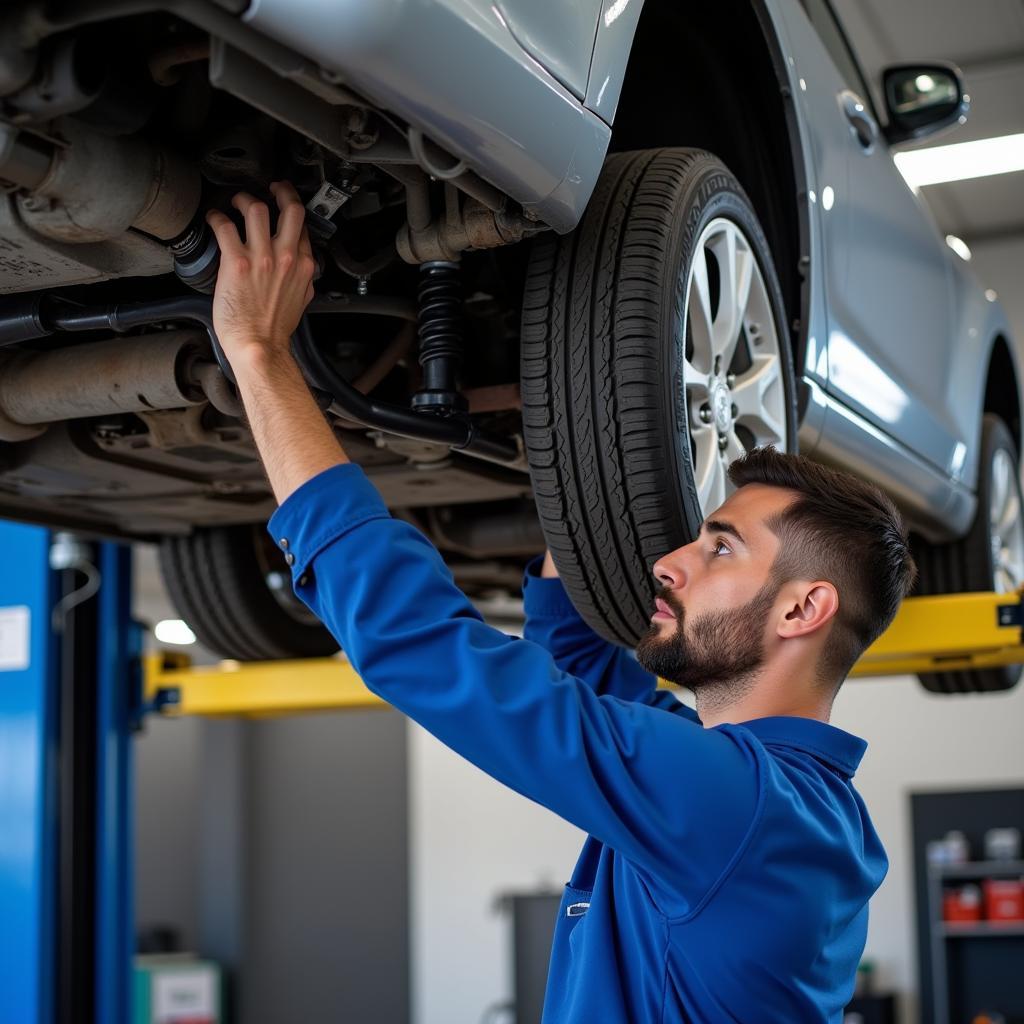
[[676, 800], [553, 622]]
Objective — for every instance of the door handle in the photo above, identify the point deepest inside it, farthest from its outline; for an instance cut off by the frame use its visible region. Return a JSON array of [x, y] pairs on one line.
[[864, 126]]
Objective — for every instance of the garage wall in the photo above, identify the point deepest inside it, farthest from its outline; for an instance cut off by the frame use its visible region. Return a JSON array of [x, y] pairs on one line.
[[168, 786], [918, 742], [472, 839], [278, 848]]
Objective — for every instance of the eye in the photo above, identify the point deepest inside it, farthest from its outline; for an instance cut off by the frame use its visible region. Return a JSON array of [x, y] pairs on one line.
[[719, 547]]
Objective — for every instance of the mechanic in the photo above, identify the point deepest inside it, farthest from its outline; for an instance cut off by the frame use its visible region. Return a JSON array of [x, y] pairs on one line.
[[729, 860]]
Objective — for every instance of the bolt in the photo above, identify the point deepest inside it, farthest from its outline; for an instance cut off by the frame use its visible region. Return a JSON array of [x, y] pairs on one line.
[[723, 442], [735, 410], [363, 285], [705, 413], [731, 380]]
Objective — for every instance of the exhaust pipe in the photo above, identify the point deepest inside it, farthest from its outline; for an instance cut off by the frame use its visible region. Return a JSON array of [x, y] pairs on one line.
[[38, 315], [162, 371]]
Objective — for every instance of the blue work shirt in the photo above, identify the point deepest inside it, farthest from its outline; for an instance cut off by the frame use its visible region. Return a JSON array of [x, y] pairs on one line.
[[727, 872]]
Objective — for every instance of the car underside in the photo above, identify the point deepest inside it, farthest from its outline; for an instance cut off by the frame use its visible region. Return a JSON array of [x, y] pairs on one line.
[[116, 407]]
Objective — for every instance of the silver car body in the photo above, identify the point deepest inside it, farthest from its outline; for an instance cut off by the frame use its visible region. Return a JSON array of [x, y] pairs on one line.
[[898, 333]]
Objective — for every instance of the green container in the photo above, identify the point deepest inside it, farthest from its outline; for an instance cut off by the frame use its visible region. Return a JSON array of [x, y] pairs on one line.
[[176, 989]]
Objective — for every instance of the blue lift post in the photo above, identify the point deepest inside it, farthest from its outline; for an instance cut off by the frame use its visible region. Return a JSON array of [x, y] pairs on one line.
[[41, 968], [28, 728], [119, 692]]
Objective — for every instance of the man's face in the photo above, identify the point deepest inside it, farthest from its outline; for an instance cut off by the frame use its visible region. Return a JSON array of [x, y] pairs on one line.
[[712, 615]]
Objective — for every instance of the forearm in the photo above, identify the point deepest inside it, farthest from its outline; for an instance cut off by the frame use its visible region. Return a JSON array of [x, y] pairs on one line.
[[294, 440]]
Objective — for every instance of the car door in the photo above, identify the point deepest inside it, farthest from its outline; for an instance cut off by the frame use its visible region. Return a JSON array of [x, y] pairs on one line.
[[887, 270]]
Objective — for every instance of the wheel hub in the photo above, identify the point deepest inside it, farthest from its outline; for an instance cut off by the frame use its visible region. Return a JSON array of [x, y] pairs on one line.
[[721, 404]]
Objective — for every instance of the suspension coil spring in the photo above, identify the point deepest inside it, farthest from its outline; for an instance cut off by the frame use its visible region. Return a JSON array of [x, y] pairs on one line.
[[440, 336]]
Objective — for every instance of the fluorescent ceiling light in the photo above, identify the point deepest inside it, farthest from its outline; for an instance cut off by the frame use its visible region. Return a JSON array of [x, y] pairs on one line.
[[173, 631], [964, 160]]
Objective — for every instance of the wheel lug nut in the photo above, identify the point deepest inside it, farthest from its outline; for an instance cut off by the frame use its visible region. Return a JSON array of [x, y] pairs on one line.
[[735, 410], [705, 413], [731, 380], [723, 442]]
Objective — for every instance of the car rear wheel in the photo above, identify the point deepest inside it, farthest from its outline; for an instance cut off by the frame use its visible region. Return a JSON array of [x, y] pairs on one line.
[[990, 557], [233, 588], [654, 352]]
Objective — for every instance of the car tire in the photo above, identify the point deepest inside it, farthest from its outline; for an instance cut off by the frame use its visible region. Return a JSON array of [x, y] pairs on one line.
[[619, 373], [970, 565], [233, 588]]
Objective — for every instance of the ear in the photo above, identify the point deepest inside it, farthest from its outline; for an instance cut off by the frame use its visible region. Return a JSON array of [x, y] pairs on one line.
[[813, 606]]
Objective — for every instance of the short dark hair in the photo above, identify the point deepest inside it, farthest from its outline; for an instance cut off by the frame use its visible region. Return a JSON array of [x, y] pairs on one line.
[[841, 529]]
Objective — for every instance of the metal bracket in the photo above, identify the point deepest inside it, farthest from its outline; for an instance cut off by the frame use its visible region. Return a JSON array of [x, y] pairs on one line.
[[1010, 615]]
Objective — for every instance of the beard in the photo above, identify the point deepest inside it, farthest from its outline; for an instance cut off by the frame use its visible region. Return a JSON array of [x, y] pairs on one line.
[[718, 657]]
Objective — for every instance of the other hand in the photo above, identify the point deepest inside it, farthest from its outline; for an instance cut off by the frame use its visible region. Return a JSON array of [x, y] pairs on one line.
[[548, 570], [264, 283]]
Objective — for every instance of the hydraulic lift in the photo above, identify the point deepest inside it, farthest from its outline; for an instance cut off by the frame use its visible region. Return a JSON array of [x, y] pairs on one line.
[[930, 634], [73, 688]]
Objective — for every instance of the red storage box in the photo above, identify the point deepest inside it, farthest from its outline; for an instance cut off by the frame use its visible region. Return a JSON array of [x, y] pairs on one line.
[[962, 905], [1004, 899]]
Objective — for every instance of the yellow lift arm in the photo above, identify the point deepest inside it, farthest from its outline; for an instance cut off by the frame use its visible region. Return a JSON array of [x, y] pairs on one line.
[[930, 634]]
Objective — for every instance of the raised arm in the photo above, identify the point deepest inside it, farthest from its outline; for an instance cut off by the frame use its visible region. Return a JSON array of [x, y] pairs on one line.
[[553, 622], [676, 800]]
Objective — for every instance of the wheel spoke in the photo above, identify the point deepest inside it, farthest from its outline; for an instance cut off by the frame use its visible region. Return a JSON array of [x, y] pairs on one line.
[[1013, 572], [735, 264], [734, 448], [699, 312], [694, 379], [710, 477], [1011, 510], [999, 485], [1006, 579], [757, 402]]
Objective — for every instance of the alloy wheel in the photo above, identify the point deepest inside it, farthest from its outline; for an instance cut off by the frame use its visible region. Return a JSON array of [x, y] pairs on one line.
[[732, 369]]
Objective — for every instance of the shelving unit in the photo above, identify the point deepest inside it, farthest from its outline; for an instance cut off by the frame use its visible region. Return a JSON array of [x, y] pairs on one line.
[[943, 933], [982, 869], [982, 930]]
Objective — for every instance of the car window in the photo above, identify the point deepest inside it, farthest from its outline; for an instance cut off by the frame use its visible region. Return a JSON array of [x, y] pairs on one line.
[[828, 28]]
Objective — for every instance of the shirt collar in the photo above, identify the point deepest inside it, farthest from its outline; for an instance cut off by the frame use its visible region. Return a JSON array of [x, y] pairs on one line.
[[835, 747]]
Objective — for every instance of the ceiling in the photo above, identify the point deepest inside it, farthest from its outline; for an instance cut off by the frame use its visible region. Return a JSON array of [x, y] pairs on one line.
[[986, 39]]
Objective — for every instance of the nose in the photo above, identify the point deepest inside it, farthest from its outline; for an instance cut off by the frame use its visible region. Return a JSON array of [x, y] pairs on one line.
[[670, 570]]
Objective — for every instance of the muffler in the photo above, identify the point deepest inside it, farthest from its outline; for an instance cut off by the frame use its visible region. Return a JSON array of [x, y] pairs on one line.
[[138, 374]]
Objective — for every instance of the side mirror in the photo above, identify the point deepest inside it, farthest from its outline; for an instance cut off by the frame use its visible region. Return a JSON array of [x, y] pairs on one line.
[[923, 98]]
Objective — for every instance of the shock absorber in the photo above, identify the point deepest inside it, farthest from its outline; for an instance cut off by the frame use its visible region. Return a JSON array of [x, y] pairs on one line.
[[440, 334]]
